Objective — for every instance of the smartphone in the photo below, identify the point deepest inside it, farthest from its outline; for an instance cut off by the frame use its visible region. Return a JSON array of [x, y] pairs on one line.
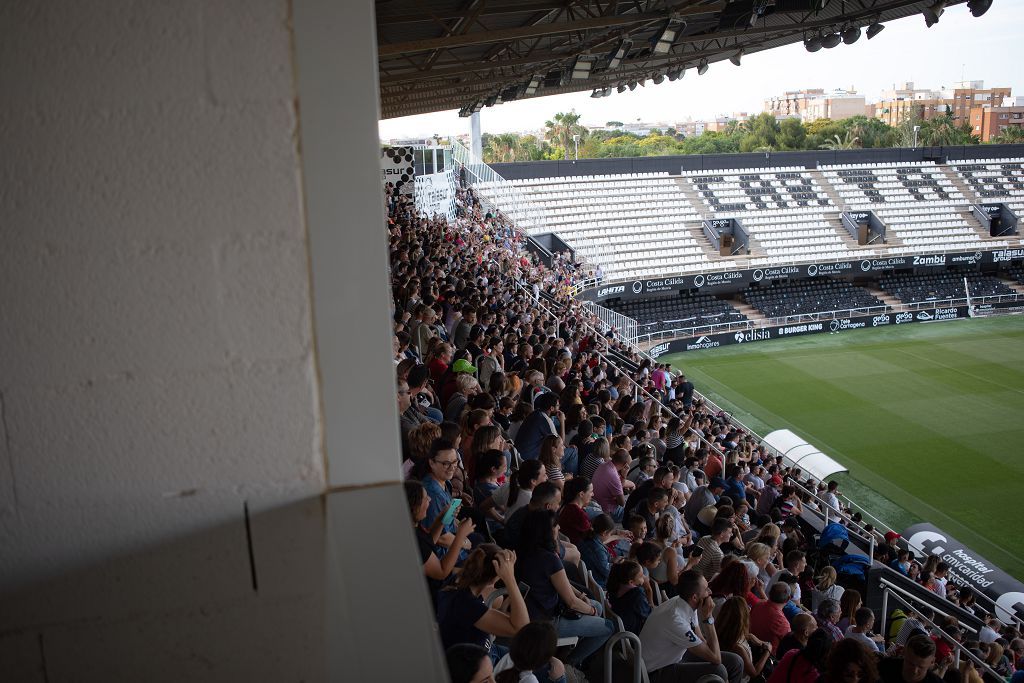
[[449, 516]]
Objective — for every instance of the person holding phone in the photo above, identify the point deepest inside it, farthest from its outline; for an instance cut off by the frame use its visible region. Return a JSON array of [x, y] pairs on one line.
[[435, 569], [462, 614], [441, 467]]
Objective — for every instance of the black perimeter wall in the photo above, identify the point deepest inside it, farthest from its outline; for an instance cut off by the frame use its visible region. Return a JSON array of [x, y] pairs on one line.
[[711, 162]]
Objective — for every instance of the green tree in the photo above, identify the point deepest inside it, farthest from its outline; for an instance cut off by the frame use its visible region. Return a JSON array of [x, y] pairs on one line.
[[848, 141], [1011, 135], [503, 147], [561, 129], [792, 134]]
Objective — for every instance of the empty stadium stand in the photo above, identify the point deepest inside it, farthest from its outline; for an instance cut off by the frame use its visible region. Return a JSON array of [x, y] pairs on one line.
[[676, 312], [634, 226], [922, 207], [806, 296], [995, 180], [917, 288]]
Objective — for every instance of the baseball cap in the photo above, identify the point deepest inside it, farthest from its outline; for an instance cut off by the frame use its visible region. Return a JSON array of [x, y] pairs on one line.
[[890, 535], [716, 483], [776, 480], [463, 365]]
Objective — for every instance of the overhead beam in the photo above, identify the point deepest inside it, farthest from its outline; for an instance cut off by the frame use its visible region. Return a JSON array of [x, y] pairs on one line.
[[518, 33], [491, 10]]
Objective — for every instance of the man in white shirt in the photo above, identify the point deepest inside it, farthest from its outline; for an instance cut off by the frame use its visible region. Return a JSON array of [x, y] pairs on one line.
[[832, 501], [679, 639]]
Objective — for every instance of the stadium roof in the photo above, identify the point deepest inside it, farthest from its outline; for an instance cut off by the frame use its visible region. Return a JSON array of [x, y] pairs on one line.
[[436, 55]]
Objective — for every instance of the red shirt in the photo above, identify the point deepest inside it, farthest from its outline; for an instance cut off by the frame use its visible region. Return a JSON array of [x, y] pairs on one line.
[[768, 623], [714, 466], [574, 522]]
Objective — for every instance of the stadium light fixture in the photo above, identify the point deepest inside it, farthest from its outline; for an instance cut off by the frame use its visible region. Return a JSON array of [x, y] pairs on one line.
[[933, 12], [659, 79], [621, 88], [581, 68], [617, 55], [851, 35], [662, 41], [830, 40], [534, 83], [702, 67], [736, 58], [979, 7], [875, 29], [598, 92], [813, 44], [676, 74], [632, 86]]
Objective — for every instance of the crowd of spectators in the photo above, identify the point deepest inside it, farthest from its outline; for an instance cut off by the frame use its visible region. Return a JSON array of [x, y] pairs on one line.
[[553, 502]]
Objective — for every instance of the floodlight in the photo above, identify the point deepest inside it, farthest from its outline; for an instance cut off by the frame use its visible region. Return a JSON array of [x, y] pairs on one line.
[[830, 40], [851, 35], [702, 67], [663, 39], [735, 59], [932, 13], [979, 7], [581, 68], [616, 57], [534, 83], [813, 44], [621, 88], [874, 30], [676, 74], [632, 86], [659, 79]]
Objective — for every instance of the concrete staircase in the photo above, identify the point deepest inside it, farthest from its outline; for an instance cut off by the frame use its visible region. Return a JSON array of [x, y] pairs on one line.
[[886, 298], [747, 310], [688, 189], [959, 183], [1014, 285], [827, 188]]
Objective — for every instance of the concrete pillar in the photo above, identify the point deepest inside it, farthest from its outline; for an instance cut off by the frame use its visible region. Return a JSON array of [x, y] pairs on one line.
[[198, 449], [476, 144]]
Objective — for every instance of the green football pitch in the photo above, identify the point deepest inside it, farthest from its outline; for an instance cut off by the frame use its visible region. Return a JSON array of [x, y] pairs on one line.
[[928, 418]]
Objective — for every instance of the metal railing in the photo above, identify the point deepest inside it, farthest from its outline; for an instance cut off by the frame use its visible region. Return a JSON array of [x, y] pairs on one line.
[[627, 327], [890, 590], [496, 193], [651, 338]]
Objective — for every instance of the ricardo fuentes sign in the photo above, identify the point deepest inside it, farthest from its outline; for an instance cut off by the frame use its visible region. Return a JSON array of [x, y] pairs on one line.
[[968, 568]]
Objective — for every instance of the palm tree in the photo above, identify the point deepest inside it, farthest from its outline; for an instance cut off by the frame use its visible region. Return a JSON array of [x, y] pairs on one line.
[[848, 141], [561, 130], [503, 147], [1011, 135]]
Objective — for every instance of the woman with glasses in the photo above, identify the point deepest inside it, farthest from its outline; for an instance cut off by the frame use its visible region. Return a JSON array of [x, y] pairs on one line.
[[441, 466]]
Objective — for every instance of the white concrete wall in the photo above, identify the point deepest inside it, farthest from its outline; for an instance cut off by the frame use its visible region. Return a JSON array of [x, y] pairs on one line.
[[158, 369]]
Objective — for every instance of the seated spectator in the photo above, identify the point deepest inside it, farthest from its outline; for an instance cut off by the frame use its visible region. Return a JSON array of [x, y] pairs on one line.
[[517, 491], [465, 387], [735, 580], [469, 663], [531, 657], [436, 570], [806, 664], [545, 496], [850, 661], [826, 588], [627, 596], [462, 615], [711, 560], [437, 481], [644, 470], [680, 642], [795, 563], [553, 456], [767, 621], [677, 555], [803, 626], [771, 491], [573, 518], [760, 554], [490, 466], [537, 425], [827, 615], [864, 620], [420, 439], [594, 547], [551, 596], [651, 509], [608, 484], [849, 603], [915, 664], [702, 498], [598, 454], [733, 626]]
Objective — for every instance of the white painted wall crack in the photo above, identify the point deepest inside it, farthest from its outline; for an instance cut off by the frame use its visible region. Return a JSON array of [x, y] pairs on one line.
[[7, 456]]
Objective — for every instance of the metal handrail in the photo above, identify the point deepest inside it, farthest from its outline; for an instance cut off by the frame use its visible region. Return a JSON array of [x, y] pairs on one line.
[[639, 671], [890, 589], [818, 316]]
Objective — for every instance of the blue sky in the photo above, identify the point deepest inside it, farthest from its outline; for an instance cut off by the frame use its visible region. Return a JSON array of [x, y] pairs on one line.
[[989, 48]]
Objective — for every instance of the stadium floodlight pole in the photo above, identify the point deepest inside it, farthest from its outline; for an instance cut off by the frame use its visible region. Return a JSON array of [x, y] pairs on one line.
[[576, 140]]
